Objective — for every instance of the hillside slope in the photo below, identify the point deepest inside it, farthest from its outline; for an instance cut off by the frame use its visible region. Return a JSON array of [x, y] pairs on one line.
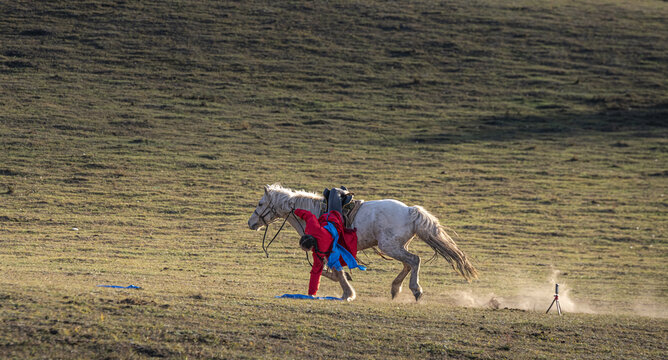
[[135, 138]]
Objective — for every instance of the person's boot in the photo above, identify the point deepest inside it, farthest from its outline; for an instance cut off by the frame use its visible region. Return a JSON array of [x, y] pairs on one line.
[[334, 201]]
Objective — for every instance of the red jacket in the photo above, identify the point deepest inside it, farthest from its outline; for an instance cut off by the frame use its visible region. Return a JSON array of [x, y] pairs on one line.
[[315, 227]]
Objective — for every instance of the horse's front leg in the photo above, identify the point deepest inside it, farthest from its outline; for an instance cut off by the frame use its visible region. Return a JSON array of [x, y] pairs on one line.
[[348, 291], [329, 273]]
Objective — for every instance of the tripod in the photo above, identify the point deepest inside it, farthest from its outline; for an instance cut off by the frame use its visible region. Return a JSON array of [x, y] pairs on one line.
[[556, 300]]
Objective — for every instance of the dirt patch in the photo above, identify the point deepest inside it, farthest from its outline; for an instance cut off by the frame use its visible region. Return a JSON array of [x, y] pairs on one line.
[[151, 351], [8, 172], [35, 32], [133, 301]]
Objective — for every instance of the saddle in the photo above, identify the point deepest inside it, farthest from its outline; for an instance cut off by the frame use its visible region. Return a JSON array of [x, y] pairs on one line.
[[350, 211]]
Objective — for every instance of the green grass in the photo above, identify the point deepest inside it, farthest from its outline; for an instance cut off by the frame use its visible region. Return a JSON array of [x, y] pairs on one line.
[[536, 131]]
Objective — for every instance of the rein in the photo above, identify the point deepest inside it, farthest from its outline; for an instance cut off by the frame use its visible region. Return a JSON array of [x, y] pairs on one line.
[[269, 209], [266, 227]]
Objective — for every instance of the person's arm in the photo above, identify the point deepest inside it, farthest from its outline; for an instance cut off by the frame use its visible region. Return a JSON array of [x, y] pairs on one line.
[[322, 236], [316, 272], [308, 217], [312, 227]]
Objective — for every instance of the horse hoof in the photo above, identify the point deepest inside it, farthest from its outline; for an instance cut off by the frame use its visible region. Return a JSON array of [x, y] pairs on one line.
[[395, 292], [349, 296]]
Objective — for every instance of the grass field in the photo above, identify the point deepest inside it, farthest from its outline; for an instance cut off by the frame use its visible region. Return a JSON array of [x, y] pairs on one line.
[[135, 138]]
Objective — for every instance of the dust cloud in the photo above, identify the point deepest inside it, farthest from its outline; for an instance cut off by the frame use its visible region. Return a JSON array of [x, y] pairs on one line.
[[538, 297]]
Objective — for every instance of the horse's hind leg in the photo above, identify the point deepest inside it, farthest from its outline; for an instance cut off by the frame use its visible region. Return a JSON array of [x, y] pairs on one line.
[[396, 284], [401, 254]]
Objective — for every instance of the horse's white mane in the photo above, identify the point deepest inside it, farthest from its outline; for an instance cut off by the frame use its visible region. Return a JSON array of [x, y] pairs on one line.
[[286, 198]]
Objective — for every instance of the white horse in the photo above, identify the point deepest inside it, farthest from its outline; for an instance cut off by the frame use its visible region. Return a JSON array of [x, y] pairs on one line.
[[388, 224]]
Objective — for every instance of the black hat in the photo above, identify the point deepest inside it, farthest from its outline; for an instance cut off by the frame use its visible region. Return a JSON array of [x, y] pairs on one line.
[[307, 241]]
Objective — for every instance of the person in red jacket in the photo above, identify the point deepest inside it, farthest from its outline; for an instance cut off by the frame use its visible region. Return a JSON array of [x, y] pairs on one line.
[[330, 242]]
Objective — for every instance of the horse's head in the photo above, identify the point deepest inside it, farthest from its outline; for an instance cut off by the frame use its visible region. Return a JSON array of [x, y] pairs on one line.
[[266, 211], [263, 213]]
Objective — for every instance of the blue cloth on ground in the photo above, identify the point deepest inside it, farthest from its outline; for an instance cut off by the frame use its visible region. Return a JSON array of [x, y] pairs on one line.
[[338, 252], [120, 287], [307, 297]]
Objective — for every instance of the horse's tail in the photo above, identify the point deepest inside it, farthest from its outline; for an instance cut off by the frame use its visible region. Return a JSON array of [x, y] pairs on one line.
[[431, 231]]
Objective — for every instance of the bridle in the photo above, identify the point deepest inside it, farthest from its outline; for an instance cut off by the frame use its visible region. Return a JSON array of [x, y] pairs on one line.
[[265, 248], [269, 209]]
